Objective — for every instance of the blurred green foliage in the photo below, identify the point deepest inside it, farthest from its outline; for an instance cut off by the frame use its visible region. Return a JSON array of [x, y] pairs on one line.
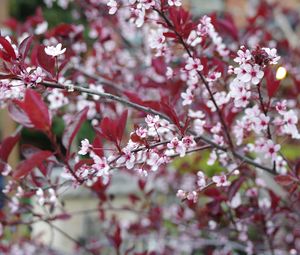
[[21, 9], [291, 151], [196, 162]]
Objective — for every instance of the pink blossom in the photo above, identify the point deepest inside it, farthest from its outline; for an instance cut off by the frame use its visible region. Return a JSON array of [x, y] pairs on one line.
[[194, 39], [41, 197], [242, 100], [218, 139], [243, 55], [174, 3], [216, 128], [85, 147], [181, 194], [212, 158], [189, 142], [57, 99], [156, 39], [169, 72], [128, 158], [220, 180], [14, 205], [55, 51], [261, 123], [201, 182], [281, 107], [188, 97], [37, 76], [100, 165], [272, 55], [213, 76], [113, 7], [248, 73], [152, 121], [281, 165], [196, 114], [221, 98], [177, 146], [198, 126], [155, 160], [193, 65], [52, 196], [238, 131], [193, 196], [141, 132], [252, 192], [145, 4], [271, 150]]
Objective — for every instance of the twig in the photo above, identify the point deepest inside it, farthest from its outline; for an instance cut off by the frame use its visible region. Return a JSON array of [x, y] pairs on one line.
[[153, 112], [265, 111], [70, 238], [206, 84]]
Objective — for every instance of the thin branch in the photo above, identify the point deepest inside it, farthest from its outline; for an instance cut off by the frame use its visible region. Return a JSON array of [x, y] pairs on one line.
[[107, 96], [97, 78], [153, 112], [206, 84], [265, 111], [65, 234]]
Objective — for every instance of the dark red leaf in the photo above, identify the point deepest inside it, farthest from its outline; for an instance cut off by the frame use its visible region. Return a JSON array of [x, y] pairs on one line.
[[134, 198], [159, 65], [25, 167], [272, 83], [170, 112], [83, 162], [116, 238], [25, 46], [45, 61], [213, 192], [284, 180], [5, 149], [6, 76], [18, 114], [227, 26], [234, 187], [36, 110], [134, 98], [274, 199], [142, 184], [7, 145], [108, 129], [63, 64], [120, 127], [7, 48], [98, 146], [62, 216], [113, 129], [170, 35], [72, 129], [297, 169]]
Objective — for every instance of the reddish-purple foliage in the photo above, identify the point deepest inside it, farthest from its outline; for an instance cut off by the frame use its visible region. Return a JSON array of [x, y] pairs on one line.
[[177, 104]]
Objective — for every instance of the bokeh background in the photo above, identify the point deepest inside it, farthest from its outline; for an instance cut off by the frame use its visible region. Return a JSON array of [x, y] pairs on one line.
[[83, 224]]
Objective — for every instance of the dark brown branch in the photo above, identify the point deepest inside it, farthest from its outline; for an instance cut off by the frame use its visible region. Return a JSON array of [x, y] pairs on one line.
[[206, 84], [153, 112]]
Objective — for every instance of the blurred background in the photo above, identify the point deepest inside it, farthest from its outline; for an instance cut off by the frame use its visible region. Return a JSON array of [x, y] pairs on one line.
[[82, 224]]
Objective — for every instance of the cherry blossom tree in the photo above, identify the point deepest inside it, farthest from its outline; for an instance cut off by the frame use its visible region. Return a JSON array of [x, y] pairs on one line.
[[194, 110]]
